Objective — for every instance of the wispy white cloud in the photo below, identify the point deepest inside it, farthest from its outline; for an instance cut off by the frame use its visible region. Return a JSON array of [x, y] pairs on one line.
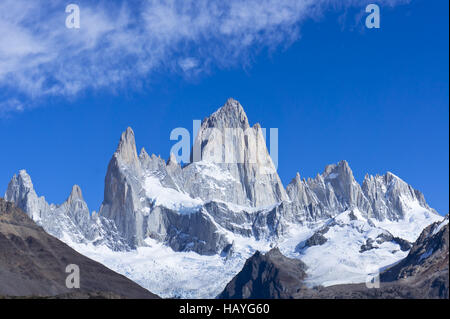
[[119, 43], [187, 64], [11, 105]]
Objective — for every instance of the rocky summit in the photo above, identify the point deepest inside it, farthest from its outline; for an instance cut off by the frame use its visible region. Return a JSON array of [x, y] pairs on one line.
[[228, 203]]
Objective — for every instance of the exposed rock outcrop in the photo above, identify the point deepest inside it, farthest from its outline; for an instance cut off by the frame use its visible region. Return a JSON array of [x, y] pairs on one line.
[[426, 266], [244, 171], [71, 220], [267, 276]]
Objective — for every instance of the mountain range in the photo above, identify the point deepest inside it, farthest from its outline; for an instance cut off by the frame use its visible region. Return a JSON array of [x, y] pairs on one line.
[[187, 231]]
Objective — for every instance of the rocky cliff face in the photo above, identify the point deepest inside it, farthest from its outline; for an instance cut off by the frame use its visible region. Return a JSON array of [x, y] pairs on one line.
[[121, 201], [21, 191], [147, 197], [390, 197], [69, 218], [426, 265], [144, 200], [242, 170]]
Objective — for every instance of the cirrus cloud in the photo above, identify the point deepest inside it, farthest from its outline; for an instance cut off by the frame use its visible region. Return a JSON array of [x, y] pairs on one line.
[[119, 44]]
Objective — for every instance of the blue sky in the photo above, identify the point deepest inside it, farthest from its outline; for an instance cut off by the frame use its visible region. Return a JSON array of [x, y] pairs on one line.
[[334, 89]]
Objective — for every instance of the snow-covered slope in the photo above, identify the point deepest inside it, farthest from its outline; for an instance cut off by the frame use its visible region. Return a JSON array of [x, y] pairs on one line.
[[173, 274], [186, 231], [346, 249]]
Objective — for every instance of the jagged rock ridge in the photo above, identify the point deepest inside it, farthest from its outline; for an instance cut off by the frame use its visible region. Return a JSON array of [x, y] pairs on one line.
[[231, 190], [70, 221], [194, 207]]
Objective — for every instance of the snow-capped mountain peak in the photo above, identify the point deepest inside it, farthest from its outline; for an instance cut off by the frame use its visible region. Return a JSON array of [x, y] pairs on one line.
[[75, 194], [214, 213], [126, 150], [230, 115], [21, 191]]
